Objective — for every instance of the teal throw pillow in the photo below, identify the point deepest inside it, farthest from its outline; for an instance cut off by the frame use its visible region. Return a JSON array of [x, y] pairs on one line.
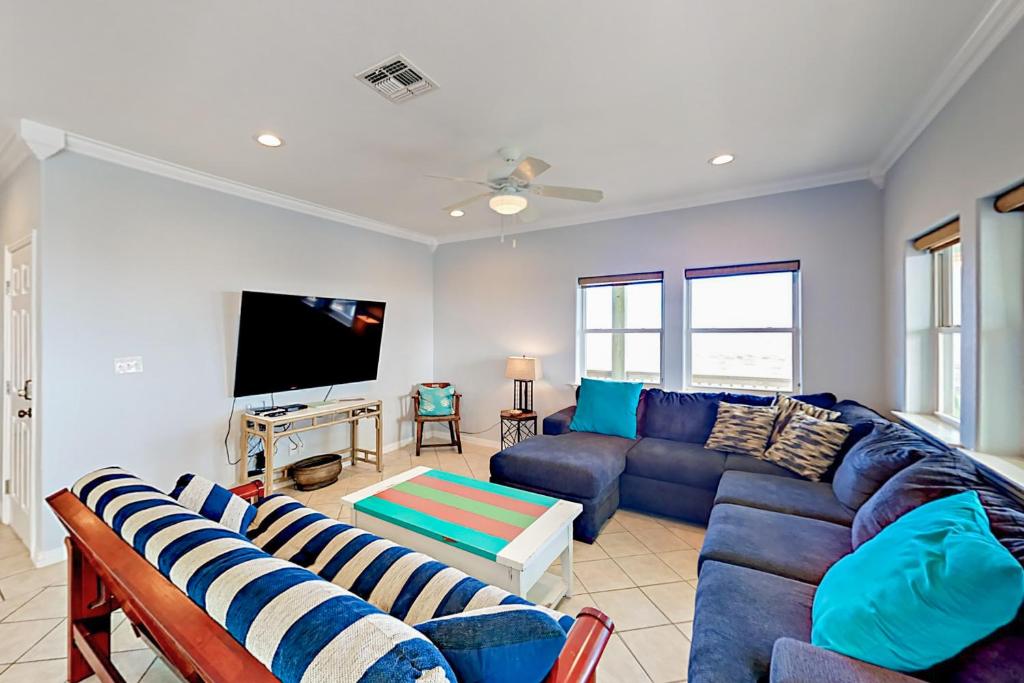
[[436, 401], [930, 584], [607, 408]]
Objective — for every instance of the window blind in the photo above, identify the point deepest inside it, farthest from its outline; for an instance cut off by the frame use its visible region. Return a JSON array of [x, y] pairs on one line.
[[627, 279], [743, 269], [941, 237], [1011, 201]]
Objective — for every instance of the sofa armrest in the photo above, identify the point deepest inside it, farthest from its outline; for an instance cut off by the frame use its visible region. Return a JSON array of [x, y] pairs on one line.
[[558, 423], [794, 661]]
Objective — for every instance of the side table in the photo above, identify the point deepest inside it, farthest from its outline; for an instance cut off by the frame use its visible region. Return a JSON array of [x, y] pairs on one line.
[[517, 425]]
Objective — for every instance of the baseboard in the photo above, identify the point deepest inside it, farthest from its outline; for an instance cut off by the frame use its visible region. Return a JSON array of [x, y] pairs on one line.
[[395, 445], [480, 441], [45, 558]]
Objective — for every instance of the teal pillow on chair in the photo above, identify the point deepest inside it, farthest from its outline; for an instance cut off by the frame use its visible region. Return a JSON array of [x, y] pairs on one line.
[[927, 586], [436, 401], [607, 407]]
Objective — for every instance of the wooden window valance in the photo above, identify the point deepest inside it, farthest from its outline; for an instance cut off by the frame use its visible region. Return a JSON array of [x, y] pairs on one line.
[[628, 279], [941, 237], [1012, 200], [743, 269]]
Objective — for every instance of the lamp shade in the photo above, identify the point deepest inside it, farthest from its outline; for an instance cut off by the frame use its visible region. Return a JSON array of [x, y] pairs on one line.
[[522, 367]]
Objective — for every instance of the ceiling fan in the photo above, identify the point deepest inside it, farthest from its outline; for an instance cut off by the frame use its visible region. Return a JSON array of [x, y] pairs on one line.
[[507, 193]]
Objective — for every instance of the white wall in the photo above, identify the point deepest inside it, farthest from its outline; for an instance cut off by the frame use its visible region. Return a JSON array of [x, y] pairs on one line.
[[491, 300], [972, 149], [135, 264]]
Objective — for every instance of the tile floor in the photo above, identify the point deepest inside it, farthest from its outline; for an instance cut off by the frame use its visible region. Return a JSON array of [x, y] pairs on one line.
[[642, 571]]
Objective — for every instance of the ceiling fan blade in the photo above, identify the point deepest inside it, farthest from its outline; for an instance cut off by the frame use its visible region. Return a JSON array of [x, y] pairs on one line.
[[577, 193], [467, 202], [459, 180], [528, 169]]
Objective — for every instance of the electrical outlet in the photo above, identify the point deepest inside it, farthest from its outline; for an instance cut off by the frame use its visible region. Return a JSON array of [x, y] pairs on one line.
[[127, 365]]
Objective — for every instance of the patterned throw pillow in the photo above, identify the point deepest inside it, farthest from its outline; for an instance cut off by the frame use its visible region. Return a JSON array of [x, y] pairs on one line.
[[741, 429], [435, 401], [214, 502], [808, 446], [788, 407]]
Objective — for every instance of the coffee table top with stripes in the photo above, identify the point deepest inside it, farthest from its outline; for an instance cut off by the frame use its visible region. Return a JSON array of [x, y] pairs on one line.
[[496, 522]]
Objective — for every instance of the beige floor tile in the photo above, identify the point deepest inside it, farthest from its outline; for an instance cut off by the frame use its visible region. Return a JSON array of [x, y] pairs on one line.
[[629, 608], [573, 605], [123, 639], [51, 603], [11, 545], [618, 665], [663, 652], [612, 526], [661, 540], [675, 600], [601, 575], [646, 570], [132, 665], [12, 604], [54, 645], [49, 671], [18, 638], [585, 552], [159, 673], [621, 544], [687, 629], [691, 533], [15, 564], [682, 562], [34, 580], [634, 521]]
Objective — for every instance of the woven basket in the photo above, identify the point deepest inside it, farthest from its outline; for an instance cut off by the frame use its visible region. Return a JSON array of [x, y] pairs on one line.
[[316, 472]]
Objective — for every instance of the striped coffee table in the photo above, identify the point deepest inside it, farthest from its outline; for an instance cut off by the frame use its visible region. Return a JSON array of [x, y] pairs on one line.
[[500, 535]]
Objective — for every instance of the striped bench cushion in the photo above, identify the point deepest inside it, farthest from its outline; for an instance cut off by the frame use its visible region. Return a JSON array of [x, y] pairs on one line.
[[214, 502], [407, 585], [303, 629]]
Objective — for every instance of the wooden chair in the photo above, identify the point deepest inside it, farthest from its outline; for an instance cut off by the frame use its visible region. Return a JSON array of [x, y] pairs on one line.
[[452, 420]]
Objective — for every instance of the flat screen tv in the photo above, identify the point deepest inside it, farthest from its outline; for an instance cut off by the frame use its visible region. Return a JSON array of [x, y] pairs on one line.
[[297, 342]]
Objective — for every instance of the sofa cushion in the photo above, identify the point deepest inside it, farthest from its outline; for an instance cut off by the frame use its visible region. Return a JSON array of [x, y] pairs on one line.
[[790, 496], [808, 446], [825, 399], [870, 462], [676, 461], [214, 502], [797, 548], [852, 412], [745, 463], [687, 416], [580, 464], [741, 429], [304, 629], [929, 585], [607, 407], [740, 614], [795, 661], [503, 644]]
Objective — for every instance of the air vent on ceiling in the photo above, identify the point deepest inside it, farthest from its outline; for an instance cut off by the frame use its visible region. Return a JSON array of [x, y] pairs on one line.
[[397, 79]]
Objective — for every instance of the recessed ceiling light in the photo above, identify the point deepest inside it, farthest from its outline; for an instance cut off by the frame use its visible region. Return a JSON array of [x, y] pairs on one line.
[[457, 213], [721, 159], [269, 140]]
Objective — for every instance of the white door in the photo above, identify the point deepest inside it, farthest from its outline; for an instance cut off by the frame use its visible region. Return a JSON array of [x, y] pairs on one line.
[[19, 463]]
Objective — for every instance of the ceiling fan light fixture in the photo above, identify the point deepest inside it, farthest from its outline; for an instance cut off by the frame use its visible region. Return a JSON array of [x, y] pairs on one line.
[[456, 213], [721, 159], [507, 204]]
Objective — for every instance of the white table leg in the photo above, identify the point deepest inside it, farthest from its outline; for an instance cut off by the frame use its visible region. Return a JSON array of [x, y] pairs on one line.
[[567, 575]]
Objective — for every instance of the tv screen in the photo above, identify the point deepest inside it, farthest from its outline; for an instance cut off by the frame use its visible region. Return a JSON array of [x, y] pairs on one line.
[[297, 342]]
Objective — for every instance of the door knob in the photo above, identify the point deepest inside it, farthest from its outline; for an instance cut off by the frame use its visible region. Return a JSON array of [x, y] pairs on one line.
[[25, 413]]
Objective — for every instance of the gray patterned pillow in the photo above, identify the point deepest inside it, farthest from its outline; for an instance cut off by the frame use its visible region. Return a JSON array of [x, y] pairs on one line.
[[788, 407], [808, 446], [741, 429]]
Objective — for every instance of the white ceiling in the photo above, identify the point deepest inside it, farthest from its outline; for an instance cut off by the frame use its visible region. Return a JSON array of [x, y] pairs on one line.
[[628, 97]]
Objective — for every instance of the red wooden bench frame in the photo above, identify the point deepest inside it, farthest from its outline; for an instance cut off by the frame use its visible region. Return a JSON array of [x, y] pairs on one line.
[[106, 574]]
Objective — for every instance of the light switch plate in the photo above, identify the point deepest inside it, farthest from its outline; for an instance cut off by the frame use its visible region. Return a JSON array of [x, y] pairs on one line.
[[127, 365]]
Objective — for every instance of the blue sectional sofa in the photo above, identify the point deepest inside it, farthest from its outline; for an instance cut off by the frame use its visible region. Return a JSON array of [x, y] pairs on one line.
[[771, 535]]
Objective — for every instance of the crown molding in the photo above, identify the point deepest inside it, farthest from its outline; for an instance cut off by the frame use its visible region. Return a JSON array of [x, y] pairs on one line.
[[1000, 19], [684, 202], [47, 140], [12, 154]]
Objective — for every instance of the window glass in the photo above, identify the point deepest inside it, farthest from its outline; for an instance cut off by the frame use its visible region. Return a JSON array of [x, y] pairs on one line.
[[598, 354], [622, 332], [643, 306], [643, 356], [764, 300], [598, 308], [742, 360]]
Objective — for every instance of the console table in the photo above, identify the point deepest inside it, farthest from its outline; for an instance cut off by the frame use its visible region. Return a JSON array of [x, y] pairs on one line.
[[330, 414]]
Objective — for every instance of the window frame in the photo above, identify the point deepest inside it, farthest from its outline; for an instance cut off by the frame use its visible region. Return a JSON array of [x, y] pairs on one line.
[[582, 331], [796, 331], [944, 329]]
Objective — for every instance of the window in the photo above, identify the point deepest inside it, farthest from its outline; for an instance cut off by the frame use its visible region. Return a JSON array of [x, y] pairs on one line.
[[620, 327], [743, 327], [947, 269]]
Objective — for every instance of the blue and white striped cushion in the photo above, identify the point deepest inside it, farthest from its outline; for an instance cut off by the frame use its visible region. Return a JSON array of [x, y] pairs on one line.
[[303, 629], [214, 502], [408, 585]]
